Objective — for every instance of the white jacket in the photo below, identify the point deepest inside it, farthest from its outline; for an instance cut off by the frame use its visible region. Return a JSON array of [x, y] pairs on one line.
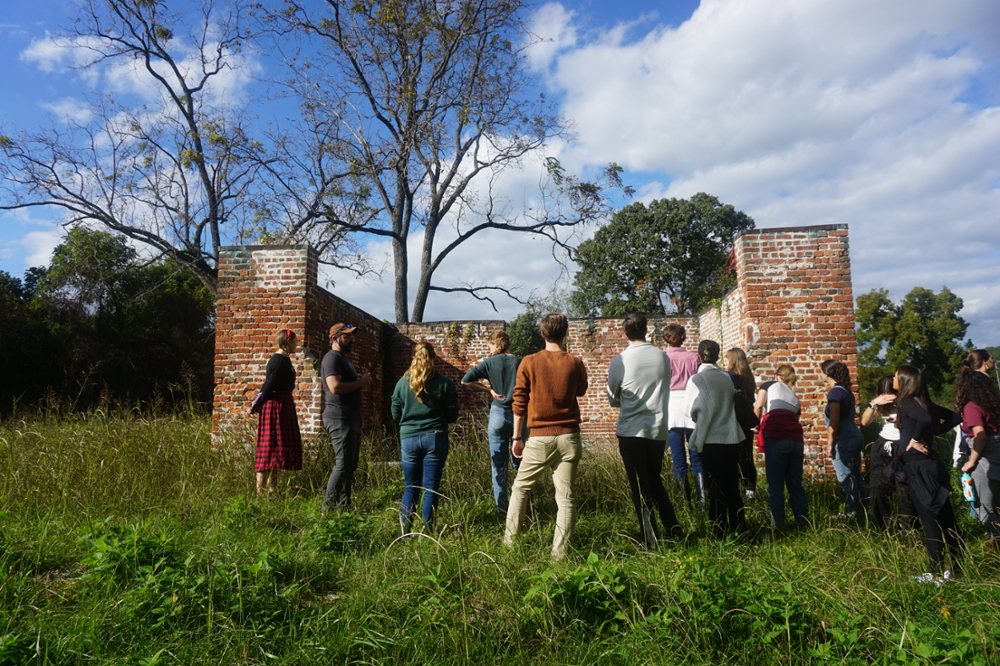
[[710, 403]]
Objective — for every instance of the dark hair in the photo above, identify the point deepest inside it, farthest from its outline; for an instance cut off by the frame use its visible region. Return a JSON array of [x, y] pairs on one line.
[[708, 351], [674, 335], [837, 371], [554, 327], [635, 326], [884, 387], [499, 338], [978, 388], [976, 359], [912, 387], [285, 340]]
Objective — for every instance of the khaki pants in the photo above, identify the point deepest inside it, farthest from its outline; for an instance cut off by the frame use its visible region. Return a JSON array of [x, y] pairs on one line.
[[561, 454]]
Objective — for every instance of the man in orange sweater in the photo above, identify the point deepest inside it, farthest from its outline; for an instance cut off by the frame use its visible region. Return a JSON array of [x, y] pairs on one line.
[[548, 385]]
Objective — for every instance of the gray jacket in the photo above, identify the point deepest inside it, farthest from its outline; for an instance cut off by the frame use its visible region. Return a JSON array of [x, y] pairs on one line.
[[639, 383], [710, 403]]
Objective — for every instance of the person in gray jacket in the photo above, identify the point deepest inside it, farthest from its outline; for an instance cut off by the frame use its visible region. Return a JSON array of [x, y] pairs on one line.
[[716, 436], [639, 385]]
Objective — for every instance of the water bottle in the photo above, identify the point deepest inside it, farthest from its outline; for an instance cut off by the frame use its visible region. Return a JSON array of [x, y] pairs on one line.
[[968, 490]]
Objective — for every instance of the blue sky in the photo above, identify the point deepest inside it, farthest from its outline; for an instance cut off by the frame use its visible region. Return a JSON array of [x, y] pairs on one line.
[[884, 116]]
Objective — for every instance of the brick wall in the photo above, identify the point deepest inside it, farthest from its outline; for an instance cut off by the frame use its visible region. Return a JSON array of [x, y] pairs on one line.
[[792, 304]]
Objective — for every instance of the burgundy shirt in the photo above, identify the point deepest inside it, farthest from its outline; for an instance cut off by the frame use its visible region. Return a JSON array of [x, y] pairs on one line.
[[974, 415]]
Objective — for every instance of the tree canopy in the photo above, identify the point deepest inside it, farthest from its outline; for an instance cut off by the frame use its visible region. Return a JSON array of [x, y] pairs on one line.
[[924, 330], [672, 256]]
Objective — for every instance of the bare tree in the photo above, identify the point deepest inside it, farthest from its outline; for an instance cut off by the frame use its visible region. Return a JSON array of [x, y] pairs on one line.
[[433, 103], [175, 163]]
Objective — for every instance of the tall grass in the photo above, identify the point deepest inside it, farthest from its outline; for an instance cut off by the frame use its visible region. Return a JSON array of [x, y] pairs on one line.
[[126, 540]]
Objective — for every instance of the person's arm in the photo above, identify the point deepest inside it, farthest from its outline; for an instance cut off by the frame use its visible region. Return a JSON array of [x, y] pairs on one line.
[[522, 391], [450, 401], [582, 383], [978, 444], [272, 373], [338, 387], [690, 395], [473, 380], [616, 372], [396, 405], [921, 419], [833, 430], [761, 402], [871, 411]]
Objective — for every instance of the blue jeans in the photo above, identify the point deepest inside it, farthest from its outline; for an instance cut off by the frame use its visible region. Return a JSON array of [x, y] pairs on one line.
[[423, 466], [847, 465], [783, 468], [499, 431], [679, 451]]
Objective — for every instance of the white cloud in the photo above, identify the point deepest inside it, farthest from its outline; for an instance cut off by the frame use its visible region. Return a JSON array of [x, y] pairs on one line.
[[798, 113], [70, 110], [39, 246]]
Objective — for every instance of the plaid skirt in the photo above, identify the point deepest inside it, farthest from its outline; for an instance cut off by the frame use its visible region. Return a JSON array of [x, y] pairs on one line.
[[279, 444]]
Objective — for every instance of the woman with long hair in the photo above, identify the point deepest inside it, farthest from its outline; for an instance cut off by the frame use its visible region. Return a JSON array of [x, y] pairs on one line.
[[883, 486], [279, 442], [782, 438], [424, 402], [978, 401], [844, 437], [738, 366], [924, 474], [500, 372]]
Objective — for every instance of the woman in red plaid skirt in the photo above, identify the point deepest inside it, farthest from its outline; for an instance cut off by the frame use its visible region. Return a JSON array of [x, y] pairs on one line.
[[279, 444]]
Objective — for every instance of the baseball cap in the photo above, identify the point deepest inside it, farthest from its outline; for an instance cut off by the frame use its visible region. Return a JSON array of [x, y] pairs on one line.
[[338, 329]]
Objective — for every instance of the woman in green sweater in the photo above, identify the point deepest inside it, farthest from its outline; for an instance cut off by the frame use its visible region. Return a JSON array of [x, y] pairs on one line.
[[424, 402]]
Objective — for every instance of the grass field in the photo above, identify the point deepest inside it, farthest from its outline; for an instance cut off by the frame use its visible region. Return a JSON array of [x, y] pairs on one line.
[[126, 540]]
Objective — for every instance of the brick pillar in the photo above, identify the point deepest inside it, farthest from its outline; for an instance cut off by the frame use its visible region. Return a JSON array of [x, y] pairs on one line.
[[261, 289], [798, 308]]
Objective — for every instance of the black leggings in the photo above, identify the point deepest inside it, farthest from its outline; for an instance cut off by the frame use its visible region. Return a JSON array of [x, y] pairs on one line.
[[940, 534]]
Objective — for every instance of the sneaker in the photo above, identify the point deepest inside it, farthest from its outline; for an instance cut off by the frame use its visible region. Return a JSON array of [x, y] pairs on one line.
[[750, 494], [927, 579], [950, 577]]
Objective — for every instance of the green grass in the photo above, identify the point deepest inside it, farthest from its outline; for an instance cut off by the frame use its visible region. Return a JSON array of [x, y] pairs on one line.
[[126, 540]]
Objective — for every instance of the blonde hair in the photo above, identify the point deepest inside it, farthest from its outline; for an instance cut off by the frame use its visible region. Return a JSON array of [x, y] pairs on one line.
[[738, 363], [786, 374], [421, 368], [499, 338]]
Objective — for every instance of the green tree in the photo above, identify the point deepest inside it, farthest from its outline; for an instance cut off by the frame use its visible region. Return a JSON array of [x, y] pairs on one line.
[[924, 330], [673, 256]]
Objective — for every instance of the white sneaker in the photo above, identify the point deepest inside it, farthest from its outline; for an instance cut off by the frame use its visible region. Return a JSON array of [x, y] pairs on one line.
[[750, 494], [949, 577], [927, 578]]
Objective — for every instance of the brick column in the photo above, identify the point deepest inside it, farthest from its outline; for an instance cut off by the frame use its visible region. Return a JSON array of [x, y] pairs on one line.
[[798, 308]]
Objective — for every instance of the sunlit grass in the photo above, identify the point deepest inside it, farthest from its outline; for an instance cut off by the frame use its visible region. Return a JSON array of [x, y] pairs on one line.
[[139, 541]]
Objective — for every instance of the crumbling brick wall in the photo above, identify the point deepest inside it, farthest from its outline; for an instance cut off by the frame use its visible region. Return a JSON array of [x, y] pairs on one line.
[[792, 304]]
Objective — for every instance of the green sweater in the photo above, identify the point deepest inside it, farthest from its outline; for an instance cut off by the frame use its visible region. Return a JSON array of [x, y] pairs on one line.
[[438, 409]]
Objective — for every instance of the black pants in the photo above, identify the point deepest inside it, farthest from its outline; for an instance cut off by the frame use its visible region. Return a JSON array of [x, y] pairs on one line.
[[722, 478], [643, 460], [883, 488], [747, 468], [940, 534]]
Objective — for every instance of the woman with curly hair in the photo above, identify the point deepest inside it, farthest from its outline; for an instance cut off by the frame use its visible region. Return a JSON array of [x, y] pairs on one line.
[[424, 402], [844, 437], [923, 472], [978, 401]]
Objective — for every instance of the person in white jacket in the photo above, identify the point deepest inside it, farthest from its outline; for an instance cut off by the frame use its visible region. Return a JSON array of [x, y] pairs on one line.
[[639, 385], [716, 436]]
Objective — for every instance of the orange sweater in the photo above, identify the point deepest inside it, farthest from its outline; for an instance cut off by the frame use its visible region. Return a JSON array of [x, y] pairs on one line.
[[548, 384]]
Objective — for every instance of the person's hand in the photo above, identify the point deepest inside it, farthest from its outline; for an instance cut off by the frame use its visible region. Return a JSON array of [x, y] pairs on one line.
[[969, 466], [918, 446], [497, 396], [884, 399], [366, 379], [518, 448]]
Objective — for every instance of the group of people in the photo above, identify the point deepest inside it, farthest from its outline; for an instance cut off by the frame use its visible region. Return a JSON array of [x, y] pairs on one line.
[[710, 417]]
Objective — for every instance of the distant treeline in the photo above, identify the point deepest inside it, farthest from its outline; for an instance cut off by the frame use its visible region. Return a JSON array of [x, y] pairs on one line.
[[101, 326]]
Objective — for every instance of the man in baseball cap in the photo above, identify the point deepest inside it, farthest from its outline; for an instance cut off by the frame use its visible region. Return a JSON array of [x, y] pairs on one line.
[[342, 413]]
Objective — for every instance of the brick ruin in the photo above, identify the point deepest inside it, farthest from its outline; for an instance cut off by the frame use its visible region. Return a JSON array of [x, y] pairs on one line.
[[793, 303]]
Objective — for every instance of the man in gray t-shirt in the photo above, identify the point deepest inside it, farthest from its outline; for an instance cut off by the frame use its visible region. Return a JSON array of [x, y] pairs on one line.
[[342, 413]]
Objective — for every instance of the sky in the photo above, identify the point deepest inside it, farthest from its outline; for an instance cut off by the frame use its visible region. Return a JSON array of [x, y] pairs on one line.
[[884, 116]]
